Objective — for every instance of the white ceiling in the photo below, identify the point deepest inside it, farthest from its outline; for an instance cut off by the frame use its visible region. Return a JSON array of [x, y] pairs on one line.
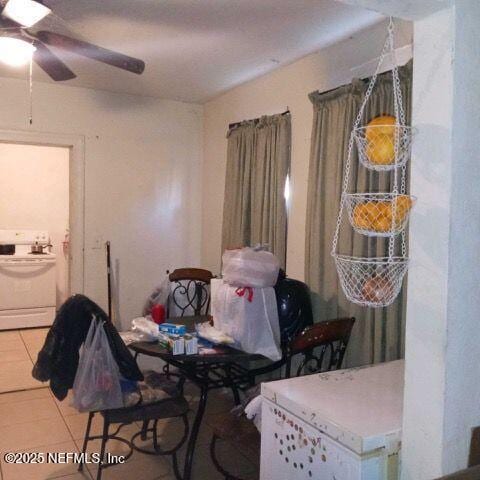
[[196, 49]]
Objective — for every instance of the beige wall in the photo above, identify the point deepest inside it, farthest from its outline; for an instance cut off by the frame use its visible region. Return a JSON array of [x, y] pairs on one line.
[[143, 163], [287, 86], [34, 194]]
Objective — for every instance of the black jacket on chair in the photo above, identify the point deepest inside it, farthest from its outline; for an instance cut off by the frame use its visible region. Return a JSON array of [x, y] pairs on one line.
[[58, 359]]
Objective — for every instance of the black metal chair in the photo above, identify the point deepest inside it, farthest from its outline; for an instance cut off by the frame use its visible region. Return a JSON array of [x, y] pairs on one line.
[[190, 293], [321, 348], [176, 407], [155, 398]]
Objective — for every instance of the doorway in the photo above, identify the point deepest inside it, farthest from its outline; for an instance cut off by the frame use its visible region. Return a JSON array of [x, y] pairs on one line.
[[43, 177], [72, 148], [34, 195]]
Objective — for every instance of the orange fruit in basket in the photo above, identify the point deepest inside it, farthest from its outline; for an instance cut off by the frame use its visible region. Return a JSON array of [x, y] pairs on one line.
[[384, 209], [401, 205], [384, 218], [377, 289], [382, 224], [382, 125], [381, 150], [364, 215], [361, 218]]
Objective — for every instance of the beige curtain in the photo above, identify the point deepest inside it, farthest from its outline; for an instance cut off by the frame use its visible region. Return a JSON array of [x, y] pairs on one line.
[[378, 333], [258, 162]]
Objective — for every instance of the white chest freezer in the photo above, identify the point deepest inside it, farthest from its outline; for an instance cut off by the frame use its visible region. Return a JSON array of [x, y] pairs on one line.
[[343, 425]]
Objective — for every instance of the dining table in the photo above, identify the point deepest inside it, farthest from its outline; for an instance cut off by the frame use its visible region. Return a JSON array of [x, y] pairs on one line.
[[213, 367]]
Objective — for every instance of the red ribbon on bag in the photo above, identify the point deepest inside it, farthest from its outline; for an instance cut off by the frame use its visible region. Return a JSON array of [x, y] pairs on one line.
[[241, 291]]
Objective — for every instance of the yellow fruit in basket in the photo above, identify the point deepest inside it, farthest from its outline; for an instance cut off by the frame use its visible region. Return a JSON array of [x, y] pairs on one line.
[[382, 125], [381, 150]]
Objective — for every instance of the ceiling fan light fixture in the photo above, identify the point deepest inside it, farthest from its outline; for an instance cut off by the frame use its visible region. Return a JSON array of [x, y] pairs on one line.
[[15, 52], [25, 12]]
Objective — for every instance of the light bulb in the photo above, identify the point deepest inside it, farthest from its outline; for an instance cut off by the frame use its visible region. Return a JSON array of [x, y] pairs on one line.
[[25, 12], [15, 52]]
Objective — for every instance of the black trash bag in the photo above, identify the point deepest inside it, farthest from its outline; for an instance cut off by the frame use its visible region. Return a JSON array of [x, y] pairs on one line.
[[294, 307], [58, 359]]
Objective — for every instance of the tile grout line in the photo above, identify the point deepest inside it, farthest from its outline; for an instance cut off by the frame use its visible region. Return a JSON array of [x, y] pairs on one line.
[[63, 417], [56, 406], [26, 348], [20, 336]]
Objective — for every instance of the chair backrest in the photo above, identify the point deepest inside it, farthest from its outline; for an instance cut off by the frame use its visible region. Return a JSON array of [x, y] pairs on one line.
[[322, 345], [294, 308], [190, 293]]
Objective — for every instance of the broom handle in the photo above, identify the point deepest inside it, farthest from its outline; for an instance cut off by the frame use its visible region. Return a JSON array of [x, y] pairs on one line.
[[109, 282]]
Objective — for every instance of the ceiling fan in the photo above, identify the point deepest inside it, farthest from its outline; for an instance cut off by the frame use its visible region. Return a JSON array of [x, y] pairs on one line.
[[18, 16]]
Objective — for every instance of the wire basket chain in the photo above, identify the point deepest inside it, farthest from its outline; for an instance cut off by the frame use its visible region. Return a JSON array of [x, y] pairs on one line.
[[397, 91], [391, 245], [403, 190], [373, 81]]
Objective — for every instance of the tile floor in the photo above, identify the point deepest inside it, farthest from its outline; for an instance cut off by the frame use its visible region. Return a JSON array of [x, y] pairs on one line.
[[33, 420], [18, 352]]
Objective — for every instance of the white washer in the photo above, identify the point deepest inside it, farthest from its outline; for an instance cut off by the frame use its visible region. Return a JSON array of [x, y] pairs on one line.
[[27, 281]]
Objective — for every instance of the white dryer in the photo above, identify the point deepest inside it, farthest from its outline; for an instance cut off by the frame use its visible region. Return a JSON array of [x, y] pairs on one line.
[[27, 281]]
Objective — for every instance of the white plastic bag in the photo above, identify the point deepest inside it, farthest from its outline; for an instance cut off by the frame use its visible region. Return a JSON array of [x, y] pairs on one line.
[[247, 267], [147, 330], [97, 382], [158, 297], [249, 316]]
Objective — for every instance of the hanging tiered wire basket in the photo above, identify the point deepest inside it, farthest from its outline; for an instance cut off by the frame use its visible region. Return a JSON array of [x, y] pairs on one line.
[[379, 214], [383, 145], [371, 282]]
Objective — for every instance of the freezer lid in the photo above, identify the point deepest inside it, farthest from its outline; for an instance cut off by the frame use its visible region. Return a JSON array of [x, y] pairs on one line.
[[361, 408]]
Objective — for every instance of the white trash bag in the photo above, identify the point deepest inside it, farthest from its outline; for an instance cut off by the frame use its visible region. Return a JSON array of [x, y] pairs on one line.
[[249, 316], [247, 267], [97, 382]]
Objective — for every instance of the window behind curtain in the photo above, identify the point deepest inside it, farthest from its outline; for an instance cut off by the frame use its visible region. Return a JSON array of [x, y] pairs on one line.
[[258, 163]]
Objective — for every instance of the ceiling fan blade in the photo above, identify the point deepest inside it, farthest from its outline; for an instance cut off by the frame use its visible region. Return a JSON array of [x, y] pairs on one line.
[[51, 64], [8, 24], [94, 52]]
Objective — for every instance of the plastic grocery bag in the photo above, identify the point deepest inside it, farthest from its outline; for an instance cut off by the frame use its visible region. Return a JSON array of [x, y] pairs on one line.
[[249, 316], [146, 329], [158, 297], [247, 267], [97, 382]]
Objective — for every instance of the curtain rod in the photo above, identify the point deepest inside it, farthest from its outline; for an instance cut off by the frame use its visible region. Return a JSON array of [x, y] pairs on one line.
[[236, 124], [363, 79]]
